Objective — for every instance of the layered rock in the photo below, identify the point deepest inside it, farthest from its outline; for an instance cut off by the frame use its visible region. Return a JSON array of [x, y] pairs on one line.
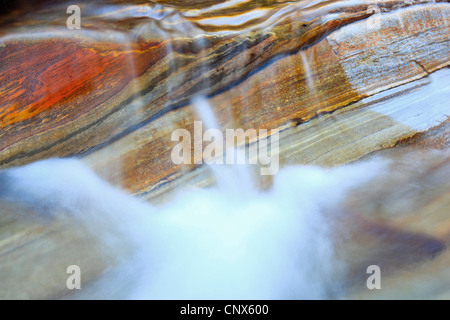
[[337, 79], [114, 97]]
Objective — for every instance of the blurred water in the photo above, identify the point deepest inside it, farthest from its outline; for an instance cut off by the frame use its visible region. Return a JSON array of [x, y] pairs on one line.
[[230, 241], [205, 244]]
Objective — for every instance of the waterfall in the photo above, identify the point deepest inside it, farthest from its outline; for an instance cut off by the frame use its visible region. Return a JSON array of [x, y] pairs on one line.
[[238, 150]]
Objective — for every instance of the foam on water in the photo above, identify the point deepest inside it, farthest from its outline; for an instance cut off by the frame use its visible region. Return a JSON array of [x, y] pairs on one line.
[[230, 241], [204, 244]]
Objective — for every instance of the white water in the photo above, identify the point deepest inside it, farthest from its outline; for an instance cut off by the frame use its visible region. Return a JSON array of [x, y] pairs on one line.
[[309, 76], [205, 244], [230, 241]]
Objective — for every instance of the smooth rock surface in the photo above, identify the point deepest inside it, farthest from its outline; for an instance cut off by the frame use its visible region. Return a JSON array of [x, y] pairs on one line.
[[114, 96], [339, 82]]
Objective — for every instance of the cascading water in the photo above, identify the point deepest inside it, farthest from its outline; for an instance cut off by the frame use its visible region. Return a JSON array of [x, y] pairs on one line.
[[224, 242], [206, 244], [299, 234], [309, 76]]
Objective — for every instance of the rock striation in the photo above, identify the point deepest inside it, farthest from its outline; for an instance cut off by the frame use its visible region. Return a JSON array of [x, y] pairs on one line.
[[340, 81]]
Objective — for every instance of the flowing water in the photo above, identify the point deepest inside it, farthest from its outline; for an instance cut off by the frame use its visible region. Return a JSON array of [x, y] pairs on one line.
[[229, 241], [226, 242], [300, 236]]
